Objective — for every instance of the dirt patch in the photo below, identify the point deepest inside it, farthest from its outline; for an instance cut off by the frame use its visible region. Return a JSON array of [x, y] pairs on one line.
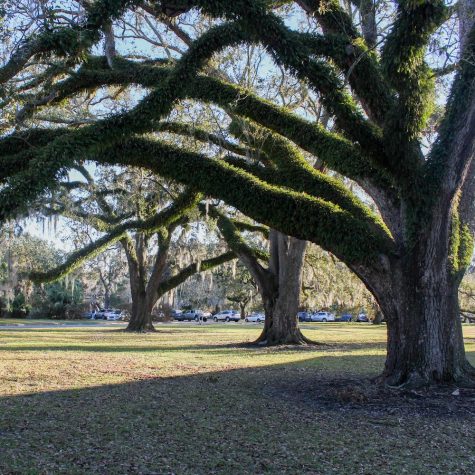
[[365, 396]]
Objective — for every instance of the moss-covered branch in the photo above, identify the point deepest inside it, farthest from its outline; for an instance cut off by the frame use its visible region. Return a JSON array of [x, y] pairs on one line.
[[167, 217], [294, 172], [454, 149], [406, 70], [293, 213], [201, 134], [353, 55], [230, 228], [70, 42], [335, 151], [47, 165], [290, 51], [252, 228], [201, 266]]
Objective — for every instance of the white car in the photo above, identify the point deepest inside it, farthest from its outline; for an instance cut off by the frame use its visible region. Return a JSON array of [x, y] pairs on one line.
[[322, 317], [255, 317], [227, 316], [113, 315]]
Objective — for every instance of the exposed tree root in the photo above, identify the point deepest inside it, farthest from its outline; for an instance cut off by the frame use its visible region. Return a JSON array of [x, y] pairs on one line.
[[413, 380], [139, 327], [269, 338]]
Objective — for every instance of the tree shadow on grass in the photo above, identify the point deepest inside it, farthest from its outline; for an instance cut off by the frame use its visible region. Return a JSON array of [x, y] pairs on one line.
[[292, 418], [218, 348]]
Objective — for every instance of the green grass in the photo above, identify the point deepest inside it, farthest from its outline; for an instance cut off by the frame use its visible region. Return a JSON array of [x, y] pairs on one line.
[[45, 321], [190, 399]]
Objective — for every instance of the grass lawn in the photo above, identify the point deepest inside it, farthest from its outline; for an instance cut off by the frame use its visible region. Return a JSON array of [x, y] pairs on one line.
[[48, 321], [190, 399]]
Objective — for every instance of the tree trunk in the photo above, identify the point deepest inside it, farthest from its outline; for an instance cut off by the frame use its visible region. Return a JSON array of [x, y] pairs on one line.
[[107, 299], [141, 318], [144, 294], [281, 325], [418, 295], [425, 342], [242, 306]]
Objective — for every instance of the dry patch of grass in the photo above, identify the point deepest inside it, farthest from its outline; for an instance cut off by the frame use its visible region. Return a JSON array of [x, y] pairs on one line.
[[190, 399]]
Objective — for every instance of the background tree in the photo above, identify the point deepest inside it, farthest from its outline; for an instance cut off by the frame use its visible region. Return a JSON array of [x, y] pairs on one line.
[[22, 253], [240, 287], [329, 284], [279, 282], [105, 275], [141, 213]]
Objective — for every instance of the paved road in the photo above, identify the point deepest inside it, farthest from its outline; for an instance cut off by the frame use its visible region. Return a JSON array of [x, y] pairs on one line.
[[26, 326]]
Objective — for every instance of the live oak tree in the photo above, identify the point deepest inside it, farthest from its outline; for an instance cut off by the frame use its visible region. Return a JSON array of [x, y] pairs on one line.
[[278, 276], [141, 213], [411, 254]]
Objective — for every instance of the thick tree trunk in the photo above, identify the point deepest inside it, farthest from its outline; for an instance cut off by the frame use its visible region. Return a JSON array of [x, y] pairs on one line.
[[141, 315], [141, 318], [418, 295], [281, 325], [425, 342], [144, 294]]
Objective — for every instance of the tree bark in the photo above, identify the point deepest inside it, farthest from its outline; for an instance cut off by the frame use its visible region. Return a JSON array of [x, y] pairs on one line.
[[141, 318], [107, 298], [242, 307], [418, 295], [425, 342], [281, 325], [141, 315], [466, 9]]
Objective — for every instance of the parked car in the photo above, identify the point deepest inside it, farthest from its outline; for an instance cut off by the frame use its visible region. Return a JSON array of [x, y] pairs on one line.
[[189, 315], [304, 316], [255, 317], [362, 317], [345, 318], [99, 314], [322, 317], [88, 315], [227, 316], [113, 315], [175, 313]]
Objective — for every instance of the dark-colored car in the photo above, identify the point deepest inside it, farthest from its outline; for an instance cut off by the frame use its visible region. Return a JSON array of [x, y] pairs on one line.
[[304, 316], [345, 318]]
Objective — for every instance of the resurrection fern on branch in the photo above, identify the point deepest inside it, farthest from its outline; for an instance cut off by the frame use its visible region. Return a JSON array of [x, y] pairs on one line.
[[410, 246]]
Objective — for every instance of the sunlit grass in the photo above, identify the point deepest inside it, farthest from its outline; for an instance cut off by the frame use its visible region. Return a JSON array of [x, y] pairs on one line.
[[192, 399], [73, 358]]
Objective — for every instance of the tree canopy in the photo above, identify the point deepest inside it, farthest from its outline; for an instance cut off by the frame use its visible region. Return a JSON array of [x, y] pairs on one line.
[[411, 250]]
